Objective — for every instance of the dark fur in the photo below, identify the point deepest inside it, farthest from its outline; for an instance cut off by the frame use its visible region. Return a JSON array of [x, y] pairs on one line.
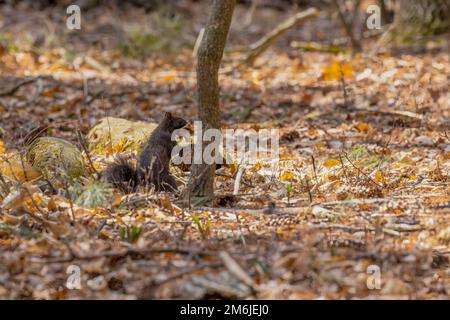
[[121, 175], [153, 162]]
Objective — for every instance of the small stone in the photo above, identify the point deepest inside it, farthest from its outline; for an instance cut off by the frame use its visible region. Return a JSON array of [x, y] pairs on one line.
[[424, 141]]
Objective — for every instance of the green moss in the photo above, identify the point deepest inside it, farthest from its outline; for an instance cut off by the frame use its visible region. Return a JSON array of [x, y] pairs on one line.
[[59, 161]]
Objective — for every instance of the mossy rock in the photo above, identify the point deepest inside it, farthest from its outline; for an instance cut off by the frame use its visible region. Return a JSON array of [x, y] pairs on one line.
[[112, 135], [58, 160]]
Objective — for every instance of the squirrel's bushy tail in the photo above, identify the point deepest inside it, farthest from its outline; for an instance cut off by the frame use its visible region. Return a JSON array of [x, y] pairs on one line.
[[121, 174]]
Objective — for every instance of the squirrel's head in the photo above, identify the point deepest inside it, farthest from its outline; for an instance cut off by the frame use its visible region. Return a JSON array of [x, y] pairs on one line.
[[173, 122]]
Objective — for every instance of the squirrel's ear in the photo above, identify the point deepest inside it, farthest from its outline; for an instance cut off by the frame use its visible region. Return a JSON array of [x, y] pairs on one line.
[[167, 115]]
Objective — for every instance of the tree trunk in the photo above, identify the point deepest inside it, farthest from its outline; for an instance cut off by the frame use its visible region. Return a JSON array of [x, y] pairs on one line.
[[421, 18], [201, 182]]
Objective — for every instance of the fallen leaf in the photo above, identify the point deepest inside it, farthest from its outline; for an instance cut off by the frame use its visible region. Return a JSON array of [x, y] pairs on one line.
[[330, 163]]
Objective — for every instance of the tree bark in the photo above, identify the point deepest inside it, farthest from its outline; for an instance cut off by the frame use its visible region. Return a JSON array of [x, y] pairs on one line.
[[416, 22], [201, 182]]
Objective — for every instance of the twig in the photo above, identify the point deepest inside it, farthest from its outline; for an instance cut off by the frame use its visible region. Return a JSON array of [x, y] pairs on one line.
[[85, 149], [343, 167], [69, 197], [240, 229], [197, 42], [110, 135], [25, 175], [344, 88], [4, 185], [309, 190], [257, 48], [95, 96], [237, 181], [16, 87], [11, 169], [317, 47], [123, 253], [376, 200], [343, 227], [279, 211], [236, 270], [33, 135], [362, 172], [37, 218], [314, 170], [85, 88], [403, 227], [249, 17], [103, 223]]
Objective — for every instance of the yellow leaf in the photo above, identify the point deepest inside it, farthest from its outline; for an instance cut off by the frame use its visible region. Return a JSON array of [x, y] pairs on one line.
[[58, 66], [336, 71], [321, 144], [2, 147], [16, 168], [379, 177], [52, 206], [49, 94], [406, 161], [364, 207], [12, 220], [119, 146], [97, 165], [330, 163], [336, 184], [312, 115], [256, 168], [233, 168], [286, 176], [332, 177], [362, 127], [118, 200], [169, 77]]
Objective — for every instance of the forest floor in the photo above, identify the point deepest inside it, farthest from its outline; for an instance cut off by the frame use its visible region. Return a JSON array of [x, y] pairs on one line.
[[361, 188]]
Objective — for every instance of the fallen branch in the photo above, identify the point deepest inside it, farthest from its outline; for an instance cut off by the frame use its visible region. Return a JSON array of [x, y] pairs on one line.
[[237, 181], [197, 42], [186, 272], [122, 253], [343, 227], [236, 270], [13, 89], [403, 227], [86, 151], [265, 42], [317, 47]]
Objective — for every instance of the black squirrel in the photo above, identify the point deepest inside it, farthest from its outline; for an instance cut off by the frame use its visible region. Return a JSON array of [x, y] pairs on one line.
[[153, 162]]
